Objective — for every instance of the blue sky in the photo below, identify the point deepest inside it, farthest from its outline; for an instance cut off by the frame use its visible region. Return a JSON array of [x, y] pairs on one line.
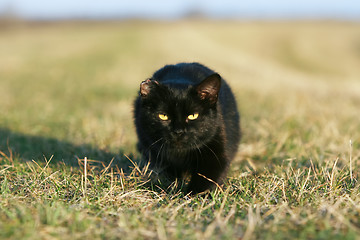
[[168, 9]]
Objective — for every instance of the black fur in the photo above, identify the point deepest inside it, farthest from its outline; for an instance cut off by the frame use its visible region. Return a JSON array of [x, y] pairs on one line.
[[177, 146]]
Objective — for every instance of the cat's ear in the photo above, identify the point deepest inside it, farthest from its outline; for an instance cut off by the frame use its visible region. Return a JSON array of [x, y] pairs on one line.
[[146, 86], [209, 88]]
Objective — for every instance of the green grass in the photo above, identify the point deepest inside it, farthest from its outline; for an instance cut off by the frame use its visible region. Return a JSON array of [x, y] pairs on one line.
[[66, 93]]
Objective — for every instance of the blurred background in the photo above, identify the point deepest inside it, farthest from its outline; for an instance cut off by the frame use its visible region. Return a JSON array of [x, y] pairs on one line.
[[162, 9], [70, 70], [175, 9]]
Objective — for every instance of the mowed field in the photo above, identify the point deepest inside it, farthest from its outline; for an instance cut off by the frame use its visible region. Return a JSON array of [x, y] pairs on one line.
[[66, 95]]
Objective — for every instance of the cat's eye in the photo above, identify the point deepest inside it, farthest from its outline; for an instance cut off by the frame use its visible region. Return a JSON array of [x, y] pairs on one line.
[[163, 117], [193, 116]]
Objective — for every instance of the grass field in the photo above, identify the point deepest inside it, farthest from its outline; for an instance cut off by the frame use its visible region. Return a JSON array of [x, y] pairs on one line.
[[66, 93]]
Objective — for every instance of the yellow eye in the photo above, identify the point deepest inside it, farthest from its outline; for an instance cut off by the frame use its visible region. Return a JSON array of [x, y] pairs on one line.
[[163, 117], [193, 116]]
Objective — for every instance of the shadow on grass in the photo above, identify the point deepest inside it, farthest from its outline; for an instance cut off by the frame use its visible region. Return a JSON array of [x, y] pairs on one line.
[[38, 148], [26, 148]]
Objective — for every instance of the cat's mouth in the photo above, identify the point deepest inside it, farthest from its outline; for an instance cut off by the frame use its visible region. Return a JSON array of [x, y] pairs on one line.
[[181, 144], [178, 143]]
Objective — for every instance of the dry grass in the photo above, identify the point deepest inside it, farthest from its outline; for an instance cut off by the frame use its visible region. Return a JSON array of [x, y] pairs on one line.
[[67, 92]]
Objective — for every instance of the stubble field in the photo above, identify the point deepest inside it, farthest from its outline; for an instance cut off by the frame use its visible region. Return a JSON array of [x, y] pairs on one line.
[[66, 93]]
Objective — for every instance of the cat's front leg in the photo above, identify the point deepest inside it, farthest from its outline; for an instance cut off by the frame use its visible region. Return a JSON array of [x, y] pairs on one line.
[[208, 176]]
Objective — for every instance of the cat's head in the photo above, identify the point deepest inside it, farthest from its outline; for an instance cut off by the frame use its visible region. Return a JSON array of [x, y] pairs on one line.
[[183, 117]]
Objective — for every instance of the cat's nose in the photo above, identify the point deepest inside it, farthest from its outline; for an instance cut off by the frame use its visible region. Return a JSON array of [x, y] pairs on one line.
[[179, 132]]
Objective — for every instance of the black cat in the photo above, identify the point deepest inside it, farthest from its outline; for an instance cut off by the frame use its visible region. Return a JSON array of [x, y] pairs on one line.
[[187, 123]]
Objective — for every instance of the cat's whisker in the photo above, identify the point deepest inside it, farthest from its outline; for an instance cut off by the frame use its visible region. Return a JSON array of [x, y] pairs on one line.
[[160, 149], [197, 157], [151, 145], [156, 142], [217, 158], [197, 147], [163, 152]]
